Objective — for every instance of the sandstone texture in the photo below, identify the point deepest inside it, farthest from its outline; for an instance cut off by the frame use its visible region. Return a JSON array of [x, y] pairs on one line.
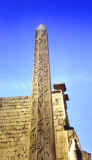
[[42, 139], [37, 127], [14, 128]]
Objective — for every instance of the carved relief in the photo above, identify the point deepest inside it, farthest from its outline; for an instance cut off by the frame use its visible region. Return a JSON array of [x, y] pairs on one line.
[[42, 111]]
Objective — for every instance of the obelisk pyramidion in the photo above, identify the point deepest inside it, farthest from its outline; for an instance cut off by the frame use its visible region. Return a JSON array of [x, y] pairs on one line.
[[42, 128]]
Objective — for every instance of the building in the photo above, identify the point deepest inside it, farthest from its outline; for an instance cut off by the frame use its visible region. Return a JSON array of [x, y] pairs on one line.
[[37, 127]]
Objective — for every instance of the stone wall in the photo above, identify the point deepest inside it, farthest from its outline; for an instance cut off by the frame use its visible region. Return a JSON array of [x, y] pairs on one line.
[[60, 120], [14, 128], [66, 140]]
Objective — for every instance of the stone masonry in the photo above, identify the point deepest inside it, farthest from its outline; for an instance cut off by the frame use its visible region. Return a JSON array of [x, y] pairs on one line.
[[37, 127]]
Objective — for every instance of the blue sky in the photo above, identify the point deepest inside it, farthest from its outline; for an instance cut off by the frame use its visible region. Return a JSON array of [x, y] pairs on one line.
[[69, 25]]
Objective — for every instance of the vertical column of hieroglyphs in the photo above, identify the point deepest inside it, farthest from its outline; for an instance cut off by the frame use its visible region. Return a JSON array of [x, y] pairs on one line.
[[42, 131]]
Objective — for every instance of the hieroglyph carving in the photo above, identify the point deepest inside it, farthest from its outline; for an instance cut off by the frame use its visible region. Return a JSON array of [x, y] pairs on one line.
[[42, 130]]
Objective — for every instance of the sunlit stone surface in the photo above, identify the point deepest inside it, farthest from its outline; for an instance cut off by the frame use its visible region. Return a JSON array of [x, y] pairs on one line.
[[37, 127], [42, 140]]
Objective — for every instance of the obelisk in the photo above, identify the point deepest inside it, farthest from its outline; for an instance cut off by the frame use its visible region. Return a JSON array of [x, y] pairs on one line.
[[42, 140]]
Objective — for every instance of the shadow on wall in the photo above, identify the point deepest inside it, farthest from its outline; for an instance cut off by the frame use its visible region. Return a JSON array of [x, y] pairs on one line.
[[78, 152]]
